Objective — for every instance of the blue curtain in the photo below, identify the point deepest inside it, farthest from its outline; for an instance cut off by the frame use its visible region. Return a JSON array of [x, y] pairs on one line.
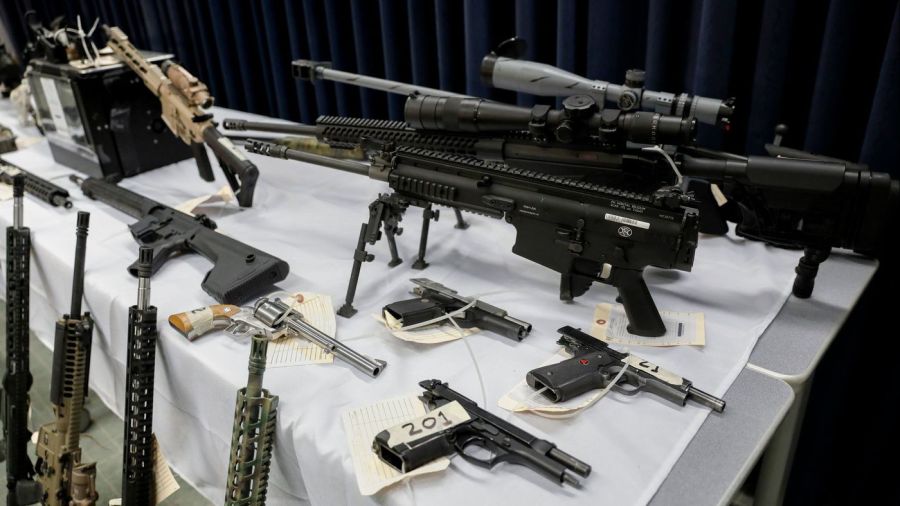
[[828, 69]]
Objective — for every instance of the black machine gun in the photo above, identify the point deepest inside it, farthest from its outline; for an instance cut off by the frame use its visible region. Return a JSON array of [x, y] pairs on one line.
[[239, 271], [802, 201], [585, 232], [20, 485], [137, 460], [43, 190]]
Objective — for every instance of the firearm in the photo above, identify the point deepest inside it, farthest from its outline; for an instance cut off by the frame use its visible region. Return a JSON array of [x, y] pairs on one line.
[[196, 322], [183, 98], [445, 431], [137, 466], [584, 231], [276, 314], [434, 300], [805, 202], [44, 190], [253, 435], [58, 449], [239, 271], [503, 69], [21, 488], [10, 72], [595, 365]]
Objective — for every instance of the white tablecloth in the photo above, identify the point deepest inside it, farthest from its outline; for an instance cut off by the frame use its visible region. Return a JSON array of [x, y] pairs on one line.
[[310, 217]]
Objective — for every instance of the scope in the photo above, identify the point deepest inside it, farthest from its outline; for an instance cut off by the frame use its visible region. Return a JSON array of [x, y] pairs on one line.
[[578, 120], [502, 69]]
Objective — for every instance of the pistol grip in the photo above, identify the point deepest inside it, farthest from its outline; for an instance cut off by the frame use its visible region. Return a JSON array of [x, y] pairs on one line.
[[643, 317], [203, 166], [195, 323], [572, 377]]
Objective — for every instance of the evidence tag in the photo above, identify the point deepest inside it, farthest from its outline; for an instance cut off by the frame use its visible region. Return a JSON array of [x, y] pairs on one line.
[[654, 370], [437, 420]]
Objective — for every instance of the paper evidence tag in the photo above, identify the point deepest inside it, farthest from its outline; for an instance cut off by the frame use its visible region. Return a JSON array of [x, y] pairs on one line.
[[439, 419], [363, 423], [430, 334], [291, 350], [223, 195], [653, 369], [611, 325], [163, 479]]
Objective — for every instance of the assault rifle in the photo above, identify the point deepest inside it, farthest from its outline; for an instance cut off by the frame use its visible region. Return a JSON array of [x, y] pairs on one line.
[[184, 99], [137, 466], [239, 271], [58, 448], [43, 190], [21, 488], [253, 435], [586, 232]]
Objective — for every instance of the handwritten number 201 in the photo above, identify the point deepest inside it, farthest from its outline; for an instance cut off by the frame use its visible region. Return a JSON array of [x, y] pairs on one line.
[[427, 423]]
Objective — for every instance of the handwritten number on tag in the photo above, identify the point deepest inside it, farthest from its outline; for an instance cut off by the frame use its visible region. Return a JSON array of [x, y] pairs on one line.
[[648, 366], [427, 423]]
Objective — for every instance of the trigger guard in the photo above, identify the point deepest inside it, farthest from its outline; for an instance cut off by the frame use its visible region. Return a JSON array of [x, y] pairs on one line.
[[632, 390], [475, 439]]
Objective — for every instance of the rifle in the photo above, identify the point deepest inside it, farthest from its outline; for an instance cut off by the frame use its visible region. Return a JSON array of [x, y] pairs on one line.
[[805, 202], [503, 69], [44, 190], [455, 423], [253, 435], [586, 232], [434, 300], [137, 466], [58, 449], [595, 365], [21, 488], [183, 98], [239, 271]]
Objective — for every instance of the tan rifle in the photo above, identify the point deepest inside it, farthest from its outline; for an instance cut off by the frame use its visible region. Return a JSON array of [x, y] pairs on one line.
[[184, 99]]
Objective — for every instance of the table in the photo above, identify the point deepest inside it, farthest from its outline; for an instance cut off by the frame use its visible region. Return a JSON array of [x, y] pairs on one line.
[[194, 423], [791, 348]]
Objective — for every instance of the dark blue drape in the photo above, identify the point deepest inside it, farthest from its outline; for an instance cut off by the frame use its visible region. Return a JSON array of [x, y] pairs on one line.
[[830, 69]]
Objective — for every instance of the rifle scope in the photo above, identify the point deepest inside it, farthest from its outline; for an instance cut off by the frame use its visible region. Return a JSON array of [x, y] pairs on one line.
[[578, 120]]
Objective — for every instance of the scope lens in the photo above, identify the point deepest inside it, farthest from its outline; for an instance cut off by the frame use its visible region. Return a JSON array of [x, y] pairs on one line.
[[455, 114]]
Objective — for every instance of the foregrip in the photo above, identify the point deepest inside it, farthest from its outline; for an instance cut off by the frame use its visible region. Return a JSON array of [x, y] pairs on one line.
[[137, 470], [643, 317]]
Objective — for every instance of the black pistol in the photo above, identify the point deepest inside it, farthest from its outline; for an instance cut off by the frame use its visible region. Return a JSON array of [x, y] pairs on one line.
[[435, 300], [440, 434], [595, 365]]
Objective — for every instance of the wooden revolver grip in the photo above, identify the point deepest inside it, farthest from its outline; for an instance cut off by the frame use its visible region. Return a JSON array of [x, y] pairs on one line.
[[195, 323]]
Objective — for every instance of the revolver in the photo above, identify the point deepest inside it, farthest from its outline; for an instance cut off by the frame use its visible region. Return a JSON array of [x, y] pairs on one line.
[[595, 365]]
